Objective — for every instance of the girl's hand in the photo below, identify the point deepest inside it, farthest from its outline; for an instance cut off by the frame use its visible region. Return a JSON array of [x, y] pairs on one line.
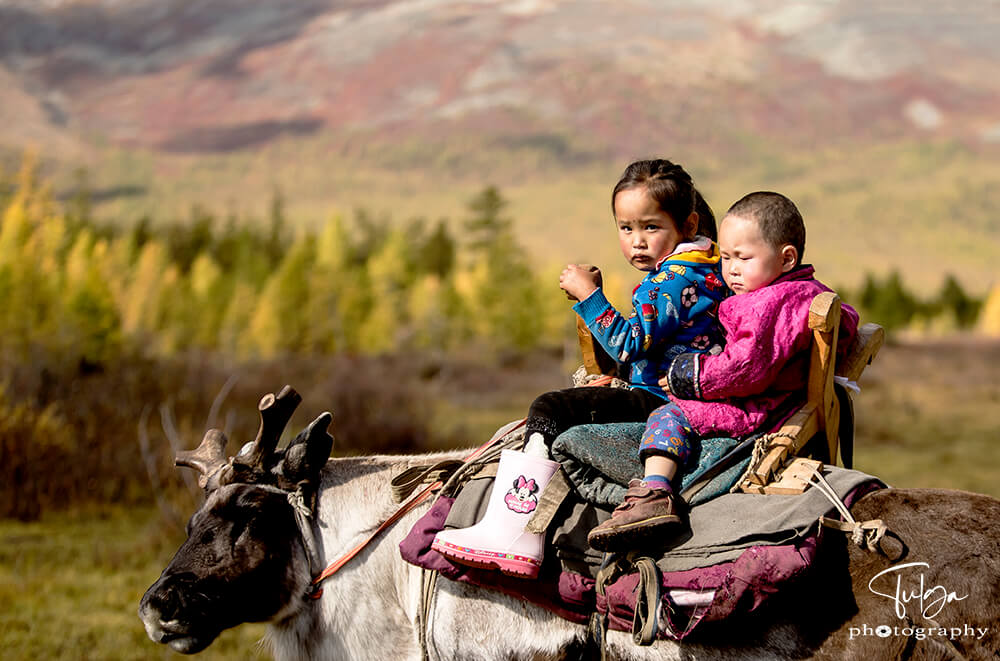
[[664, 383], [579, 281]]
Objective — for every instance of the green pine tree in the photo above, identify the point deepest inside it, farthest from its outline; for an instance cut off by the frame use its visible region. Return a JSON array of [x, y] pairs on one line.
[[954, 301], [485, 225]]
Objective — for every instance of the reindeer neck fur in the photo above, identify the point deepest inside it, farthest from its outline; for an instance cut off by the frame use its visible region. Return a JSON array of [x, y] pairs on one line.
[[376, 591]]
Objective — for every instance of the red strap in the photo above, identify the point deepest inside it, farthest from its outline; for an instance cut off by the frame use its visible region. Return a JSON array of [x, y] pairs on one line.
[[336, 565]]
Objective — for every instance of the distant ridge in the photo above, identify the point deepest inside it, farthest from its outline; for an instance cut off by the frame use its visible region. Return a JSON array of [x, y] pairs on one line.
[[230, 74]]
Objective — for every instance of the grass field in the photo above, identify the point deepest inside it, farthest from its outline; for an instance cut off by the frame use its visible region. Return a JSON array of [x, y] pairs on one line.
[[929, 415], [70, 586]]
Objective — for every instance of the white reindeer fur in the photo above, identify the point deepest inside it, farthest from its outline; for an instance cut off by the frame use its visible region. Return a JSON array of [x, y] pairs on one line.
[[369, 609]]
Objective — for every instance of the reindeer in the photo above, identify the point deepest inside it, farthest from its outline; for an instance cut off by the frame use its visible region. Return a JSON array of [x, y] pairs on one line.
[[272, 519]]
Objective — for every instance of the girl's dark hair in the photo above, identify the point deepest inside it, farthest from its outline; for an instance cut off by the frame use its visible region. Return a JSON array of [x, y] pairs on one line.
[[672, 188]]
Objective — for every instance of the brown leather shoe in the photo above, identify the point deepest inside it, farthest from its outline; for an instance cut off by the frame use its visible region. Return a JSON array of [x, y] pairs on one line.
[[647, 517]]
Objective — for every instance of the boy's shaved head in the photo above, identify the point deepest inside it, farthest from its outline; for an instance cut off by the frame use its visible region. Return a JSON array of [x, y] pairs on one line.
[[777, 217]]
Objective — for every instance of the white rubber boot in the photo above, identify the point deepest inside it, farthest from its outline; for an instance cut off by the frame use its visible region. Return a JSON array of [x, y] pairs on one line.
[[499, 540]]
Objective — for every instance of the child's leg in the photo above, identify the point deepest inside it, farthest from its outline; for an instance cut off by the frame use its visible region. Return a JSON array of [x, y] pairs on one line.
[[649, 513], [659, 471], [499, 539], [665, 445], [554, 412]]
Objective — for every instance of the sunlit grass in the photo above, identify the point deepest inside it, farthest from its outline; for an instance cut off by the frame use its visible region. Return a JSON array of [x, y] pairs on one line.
[[929, 415], [70, 587]]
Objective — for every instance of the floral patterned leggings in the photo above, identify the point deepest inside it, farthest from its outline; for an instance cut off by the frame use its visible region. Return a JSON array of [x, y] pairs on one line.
[[667, 432]]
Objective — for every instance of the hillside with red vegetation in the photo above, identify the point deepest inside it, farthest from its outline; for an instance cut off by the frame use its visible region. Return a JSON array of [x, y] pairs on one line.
[[175, 76]]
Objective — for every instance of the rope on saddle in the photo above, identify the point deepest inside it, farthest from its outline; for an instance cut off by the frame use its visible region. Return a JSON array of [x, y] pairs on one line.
[[508, 437], [447, 477], [406, 482], [428, 595], [864, 534], [486, 449], [761, 448], [450, 472]]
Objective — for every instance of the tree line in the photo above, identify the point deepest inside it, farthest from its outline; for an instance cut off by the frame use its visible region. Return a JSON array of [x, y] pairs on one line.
[[73, 285], [81, 289]]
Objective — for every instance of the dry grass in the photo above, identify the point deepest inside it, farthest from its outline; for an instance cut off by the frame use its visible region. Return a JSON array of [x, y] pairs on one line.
[[929, 415]]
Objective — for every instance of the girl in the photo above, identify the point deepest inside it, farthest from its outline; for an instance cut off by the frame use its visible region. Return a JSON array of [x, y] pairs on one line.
[[658, 213], [763, 365]]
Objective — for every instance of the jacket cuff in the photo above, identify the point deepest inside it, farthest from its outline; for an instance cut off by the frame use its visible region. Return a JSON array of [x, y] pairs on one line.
[[684, 375], [592, 307]]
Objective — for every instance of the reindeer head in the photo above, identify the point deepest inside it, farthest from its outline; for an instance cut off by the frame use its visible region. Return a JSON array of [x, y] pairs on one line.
[[247, 555]]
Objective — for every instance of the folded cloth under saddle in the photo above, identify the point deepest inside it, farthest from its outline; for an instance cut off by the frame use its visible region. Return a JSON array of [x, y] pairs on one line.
[[742, 549], [599, 460]]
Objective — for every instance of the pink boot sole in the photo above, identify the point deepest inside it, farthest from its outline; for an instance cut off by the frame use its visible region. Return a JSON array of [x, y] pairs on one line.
[[508, 563]]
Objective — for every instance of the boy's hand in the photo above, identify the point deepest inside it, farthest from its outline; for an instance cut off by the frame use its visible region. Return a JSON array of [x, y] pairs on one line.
[[579, 280]]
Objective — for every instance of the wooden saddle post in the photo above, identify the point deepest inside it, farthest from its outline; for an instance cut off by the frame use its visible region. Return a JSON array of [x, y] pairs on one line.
[[819, 416]]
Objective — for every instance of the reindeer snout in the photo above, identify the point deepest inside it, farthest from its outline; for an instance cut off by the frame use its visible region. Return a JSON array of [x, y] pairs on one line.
[[168, 620], [156, 608]]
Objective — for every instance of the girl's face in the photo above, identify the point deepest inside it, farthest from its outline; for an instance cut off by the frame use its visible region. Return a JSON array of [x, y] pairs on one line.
[[646, 233], [748, 261]]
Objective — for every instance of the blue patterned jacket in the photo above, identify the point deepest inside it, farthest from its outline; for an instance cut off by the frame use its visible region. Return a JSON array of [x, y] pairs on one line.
[[674, 312]]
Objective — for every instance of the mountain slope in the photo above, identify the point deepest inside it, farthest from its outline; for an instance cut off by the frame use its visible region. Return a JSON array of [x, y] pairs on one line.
[[180, 76]]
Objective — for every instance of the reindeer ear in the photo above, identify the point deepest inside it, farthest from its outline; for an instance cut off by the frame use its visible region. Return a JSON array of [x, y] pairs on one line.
[[307, 453]]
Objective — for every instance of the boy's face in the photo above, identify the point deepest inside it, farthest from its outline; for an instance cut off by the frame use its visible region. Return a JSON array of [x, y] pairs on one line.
[[646, 233], [748, 261]]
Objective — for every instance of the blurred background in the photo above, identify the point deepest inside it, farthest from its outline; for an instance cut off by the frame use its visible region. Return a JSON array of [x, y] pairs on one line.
[[371, 200]]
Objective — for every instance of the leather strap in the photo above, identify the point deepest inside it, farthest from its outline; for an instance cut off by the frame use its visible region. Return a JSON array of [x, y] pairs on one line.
[[549, 500], [404, 484], [406, 507], [645, 625], [846, 426]]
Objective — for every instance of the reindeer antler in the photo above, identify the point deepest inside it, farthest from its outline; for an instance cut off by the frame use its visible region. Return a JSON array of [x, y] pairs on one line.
[[275, 412], [208, 458]]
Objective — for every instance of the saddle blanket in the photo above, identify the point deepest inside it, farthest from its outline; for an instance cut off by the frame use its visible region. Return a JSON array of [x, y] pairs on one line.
[[743, 549]]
